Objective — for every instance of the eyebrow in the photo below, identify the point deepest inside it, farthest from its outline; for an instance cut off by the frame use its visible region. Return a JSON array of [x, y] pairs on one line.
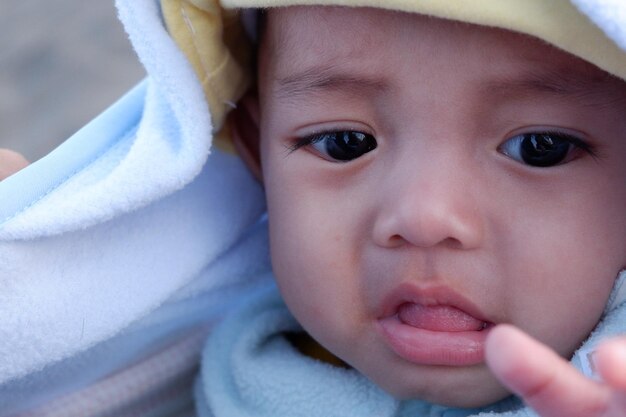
[[592, 88], [322, 79], [566, 84]]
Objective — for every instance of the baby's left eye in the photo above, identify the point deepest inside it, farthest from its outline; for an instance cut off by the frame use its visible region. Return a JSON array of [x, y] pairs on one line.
[[543, 149], [340, 146]]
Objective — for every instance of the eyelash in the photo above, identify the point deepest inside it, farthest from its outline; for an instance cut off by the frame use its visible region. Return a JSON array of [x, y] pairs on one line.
[[338, 145], [574, 142], [310, 139], [550, 143]]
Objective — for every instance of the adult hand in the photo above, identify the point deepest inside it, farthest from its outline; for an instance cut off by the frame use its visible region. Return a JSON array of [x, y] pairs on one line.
[[10, 163], [551, 385]]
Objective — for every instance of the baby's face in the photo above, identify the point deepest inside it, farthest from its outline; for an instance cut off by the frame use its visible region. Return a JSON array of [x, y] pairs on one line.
[[427, 180]]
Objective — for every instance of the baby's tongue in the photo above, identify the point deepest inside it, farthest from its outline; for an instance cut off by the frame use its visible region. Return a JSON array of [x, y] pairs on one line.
[[438, 318]]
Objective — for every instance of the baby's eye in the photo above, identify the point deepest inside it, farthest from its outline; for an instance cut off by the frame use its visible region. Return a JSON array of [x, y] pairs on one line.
[[341, 145], [543, 149]]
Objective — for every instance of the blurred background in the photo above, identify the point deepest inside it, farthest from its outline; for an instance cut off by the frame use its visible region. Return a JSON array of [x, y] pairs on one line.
[[61, 63]]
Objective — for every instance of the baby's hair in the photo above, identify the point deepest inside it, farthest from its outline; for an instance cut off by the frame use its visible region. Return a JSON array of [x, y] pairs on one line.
[[261, 24], [253, 21]]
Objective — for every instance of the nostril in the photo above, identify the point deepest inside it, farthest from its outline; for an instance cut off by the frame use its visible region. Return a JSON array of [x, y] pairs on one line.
[[452, 243], [396, 240], [427, 224], [399, 239]]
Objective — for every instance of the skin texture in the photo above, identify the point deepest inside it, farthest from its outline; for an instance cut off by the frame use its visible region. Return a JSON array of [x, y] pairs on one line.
[[10, 163], [438, 207], [552, 386]]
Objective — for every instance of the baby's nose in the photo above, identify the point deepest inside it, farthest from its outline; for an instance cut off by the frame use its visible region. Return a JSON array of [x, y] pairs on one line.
[[430, 208]]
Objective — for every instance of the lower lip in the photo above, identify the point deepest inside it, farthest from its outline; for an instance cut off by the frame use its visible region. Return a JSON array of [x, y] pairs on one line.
[[427, 347]]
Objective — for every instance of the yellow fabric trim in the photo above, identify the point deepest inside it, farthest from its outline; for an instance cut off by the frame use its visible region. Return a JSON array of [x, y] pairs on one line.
[[207, 34], [207, 29]]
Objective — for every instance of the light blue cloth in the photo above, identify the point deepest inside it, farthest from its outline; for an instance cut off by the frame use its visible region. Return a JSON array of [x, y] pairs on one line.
[[250, 369], [109, 232]]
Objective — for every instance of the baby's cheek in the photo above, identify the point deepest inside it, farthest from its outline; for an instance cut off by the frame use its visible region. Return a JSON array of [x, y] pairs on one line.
[[563, 316]]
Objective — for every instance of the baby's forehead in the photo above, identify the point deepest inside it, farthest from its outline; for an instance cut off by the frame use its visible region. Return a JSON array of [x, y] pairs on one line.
[[297, 41]]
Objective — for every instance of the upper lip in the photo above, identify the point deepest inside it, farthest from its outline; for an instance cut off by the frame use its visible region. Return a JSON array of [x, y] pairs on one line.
[[429, 296]]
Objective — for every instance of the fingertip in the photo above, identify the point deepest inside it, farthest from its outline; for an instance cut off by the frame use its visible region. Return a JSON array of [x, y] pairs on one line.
[[611, 362], [500, 341], [502, 332], [501, 349], [10, 163], [515, 358], [544, 380]]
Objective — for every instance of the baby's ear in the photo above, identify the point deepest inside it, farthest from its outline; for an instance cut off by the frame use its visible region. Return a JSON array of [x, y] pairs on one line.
[[244, 126]]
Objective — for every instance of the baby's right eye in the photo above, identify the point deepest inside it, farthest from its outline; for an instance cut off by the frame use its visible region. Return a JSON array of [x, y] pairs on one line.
[[341, 146], [544, 149]]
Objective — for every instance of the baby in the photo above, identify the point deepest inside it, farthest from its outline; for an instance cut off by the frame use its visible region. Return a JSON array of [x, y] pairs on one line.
[[437, 193], [432, 186]]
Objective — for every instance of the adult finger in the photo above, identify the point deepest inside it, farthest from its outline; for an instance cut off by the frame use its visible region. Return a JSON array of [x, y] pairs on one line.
[[10, 163], [544, 380]]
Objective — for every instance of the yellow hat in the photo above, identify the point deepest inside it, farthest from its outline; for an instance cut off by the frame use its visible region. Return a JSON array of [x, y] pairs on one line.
[[211, 35]]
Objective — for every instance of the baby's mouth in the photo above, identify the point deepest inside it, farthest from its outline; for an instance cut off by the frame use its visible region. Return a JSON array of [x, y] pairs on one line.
[[439, 318], [437, 334], [433, 326]]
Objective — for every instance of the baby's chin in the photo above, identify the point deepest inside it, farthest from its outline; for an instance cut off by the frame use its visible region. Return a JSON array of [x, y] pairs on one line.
[[447, 386]]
